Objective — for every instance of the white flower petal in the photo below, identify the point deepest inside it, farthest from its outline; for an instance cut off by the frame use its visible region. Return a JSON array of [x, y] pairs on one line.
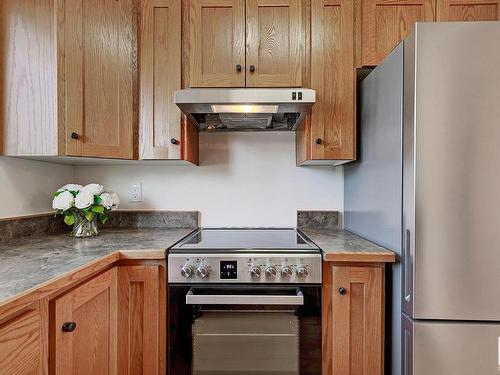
[[94, 189], [64, 201], [84, 199]]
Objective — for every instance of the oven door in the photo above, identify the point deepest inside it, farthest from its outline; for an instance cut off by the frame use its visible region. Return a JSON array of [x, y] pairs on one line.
[[244, 331]]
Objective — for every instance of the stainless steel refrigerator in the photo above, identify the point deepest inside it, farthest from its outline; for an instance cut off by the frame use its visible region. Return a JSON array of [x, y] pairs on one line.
[[427, 185]]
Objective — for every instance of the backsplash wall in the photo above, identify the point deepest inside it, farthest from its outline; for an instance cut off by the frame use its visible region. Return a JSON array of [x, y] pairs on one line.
[[27, 186], [244, 179]]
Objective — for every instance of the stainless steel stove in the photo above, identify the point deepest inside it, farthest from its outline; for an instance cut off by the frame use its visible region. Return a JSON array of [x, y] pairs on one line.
[[244, 301], [245, 255]]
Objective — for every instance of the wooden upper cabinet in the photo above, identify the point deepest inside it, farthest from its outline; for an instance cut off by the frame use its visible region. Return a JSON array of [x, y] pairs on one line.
[[24, 342], [90, 346], [468, 10], [216, 43], [97, 77], [328, 134], [275, 39], [160, 76], [353, 319], [384, 23]]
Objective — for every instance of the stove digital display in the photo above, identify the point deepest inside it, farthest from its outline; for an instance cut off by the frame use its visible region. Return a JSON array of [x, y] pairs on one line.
[[228, 270]]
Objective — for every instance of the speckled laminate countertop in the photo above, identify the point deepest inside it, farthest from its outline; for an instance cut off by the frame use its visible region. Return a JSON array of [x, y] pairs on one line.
[[343, 246], [28, 262]]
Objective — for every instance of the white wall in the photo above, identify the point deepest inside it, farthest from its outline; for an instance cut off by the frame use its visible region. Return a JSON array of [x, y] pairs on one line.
[[26, 186], [247, 179]]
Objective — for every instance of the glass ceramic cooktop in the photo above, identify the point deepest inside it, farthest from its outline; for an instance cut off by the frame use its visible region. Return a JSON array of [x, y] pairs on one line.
[[207, 239]]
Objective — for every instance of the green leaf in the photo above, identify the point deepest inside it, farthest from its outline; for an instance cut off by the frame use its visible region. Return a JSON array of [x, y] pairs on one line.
[[97, 199], [97, 209], [57, 193], [104, 219], [69, 219], [89, 215]]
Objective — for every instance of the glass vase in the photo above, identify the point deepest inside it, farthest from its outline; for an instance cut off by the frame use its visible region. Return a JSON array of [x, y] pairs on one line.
[[83, 227]]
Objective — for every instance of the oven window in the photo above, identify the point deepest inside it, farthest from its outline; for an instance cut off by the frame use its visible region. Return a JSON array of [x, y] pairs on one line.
[[243, 342]]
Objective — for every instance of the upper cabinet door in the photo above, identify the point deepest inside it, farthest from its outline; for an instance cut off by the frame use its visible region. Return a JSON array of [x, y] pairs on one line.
[[97, 45], [160, 76], [216, 43], [386, 22], [275, 37], [468, 10], [332, 76]]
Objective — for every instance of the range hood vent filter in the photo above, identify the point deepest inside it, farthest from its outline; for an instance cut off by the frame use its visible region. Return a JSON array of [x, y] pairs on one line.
[[245, 109]]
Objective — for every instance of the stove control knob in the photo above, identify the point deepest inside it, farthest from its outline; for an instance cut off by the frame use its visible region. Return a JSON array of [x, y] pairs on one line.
[[187, 271], [286, 272], [271, 272], [302, 272], [255, 273], [202, 272]]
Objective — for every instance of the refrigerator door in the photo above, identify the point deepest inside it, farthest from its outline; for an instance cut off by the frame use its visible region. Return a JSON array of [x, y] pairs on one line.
[[438, 348], [451, 184]]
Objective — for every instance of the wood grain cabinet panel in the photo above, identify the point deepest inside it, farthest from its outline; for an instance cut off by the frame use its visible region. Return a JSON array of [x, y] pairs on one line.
[[385, 23], [468, 10], [28, 97], [91, 348], [353, 319], [160, 76], [275, 39], [216, 43], [142, 320], [98, 50], [328, 134], [24, 342]]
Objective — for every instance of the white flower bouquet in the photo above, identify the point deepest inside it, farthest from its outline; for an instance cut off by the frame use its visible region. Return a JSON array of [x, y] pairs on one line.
[[84, 206]]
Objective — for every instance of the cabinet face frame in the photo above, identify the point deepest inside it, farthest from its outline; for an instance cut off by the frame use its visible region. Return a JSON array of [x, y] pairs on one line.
[[107, 131], [395, 18], [210, 14], [273, 43], [468, 10]]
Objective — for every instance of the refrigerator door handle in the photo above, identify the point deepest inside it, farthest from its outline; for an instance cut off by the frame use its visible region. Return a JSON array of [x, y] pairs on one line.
[[407, 266]]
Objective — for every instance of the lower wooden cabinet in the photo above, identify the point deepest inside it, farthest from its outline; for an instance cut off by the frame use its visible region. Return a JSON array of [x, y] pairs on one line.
[[353, 319], [85, 332], [114, 323], [142, 320], [24, 342]]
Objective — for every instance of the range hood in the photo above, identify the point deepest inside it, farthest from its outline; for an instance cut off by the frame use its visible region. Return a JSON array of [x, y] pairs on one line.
[[245, 109]]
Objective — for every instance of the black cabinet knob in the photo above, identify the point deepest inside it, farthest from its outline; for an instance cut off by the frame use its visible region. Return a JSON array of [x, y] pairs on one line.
[[68, 327], [318, 141], [252, 68], [238, 68], [173, 141], [74, 135], [342, 291]]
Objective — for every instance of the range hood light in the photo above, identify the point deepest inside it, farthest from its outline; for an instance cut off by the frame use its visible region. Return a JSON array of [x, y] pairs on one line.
[[241, 108]]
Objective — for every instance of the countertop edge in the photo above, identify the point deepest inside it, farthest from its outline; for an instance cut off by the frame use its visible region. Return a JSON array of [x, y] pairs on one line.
[[74, 277], [359, 257]]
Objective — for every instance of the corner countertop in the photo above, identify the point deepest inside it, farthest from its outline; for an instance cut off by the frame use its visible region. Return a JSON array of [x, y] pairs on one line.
[[29, 262], [340, 245]]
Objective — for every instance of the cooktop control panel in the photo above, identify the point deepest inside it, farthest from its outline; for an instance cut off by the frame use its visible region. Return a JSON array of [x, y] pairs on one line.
[[244, 268]]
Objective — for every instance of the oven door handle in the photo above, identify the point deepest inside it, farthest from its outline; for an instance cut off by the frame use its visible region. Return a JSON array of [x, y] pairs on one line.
[[242, 299]]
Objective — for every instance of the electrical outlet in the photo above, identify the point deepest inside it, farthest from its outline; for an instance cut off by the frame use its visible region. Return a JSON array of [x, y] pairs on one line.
[[135, 192]]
